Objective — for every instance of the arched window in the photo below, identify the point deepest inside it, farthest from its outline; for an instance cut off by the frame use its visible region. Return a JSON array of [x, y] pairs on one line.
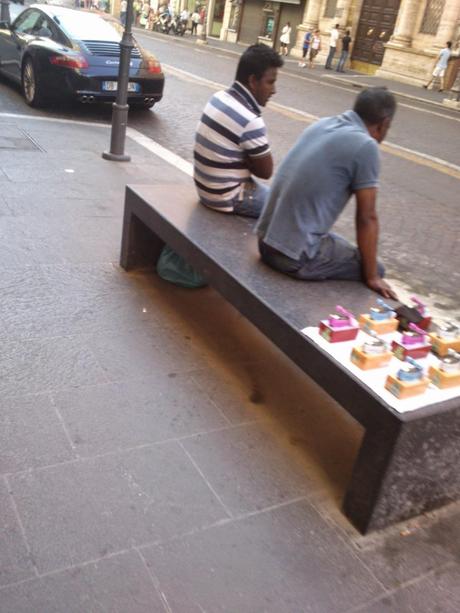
[[432, 16]]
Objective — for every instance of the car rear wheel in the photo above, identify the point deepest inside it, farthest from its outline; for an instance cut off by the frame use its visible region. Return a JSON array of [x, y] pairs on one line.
[[31, 85]]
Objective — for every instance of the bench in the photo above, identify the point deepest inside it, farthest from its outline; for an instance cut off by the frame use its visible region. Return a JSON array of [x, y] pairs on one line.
[[408, 463]]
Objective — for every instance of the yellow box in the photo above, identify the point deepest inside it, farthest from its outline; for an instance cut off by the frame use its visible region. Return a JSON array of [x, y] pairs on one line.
[[441, 346], [381, 327], [443, 379], [406, 389], [366, 361]]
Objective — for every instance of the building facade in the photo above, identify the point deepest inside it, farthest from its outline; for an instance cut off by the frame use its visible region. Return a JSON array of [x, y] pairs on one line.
[[397, 39]]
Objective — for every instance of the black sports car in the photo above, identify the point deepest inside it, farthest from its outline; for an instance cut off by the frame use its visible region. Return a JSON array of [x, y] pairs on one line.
[[56, 52]]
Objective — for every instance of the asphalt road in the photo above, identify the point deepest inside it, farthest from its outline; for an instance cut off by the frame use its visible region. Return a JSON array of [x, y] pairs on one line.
[[418, 201]]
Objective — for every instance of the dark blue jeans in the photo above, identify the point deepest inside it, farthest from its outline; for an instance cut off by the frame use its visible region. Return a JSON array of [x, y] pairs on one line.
[[330, 57], [252, 201], [336, 259], [342, 60]]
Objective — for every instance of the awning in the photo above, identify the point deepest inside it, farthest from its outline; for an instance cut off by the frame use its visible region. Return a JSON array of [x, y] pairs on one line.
[[289, 1]]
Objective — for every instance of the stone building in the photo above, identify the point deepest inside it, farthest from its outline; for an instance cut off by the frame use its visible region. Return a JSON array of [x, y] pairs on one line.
[[397, 39]]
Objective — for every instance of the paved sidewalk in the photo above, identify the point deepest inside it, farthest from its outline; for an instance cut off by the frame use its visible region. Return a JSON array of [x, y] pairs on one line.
[[156, 453]]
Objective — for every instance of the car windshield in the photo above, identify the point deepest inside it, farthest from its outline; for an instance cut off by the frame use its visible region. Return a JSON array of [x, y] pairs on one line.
[[84, 26]]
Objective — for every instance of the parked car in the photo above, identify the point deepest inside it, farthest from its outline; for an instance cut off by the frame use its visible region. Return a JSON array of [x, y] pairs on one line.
[[55, 52]]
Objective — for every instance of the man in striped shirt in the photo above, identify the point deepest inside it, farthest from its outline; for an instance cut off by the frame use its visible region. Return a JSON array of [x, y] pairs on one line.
[[231, 145]]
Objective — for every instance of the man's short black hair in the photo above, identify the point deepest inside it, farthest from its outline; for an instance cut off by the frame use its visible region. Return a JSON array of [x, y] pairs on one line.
[[255, 61], [449, 44], [374, 105]]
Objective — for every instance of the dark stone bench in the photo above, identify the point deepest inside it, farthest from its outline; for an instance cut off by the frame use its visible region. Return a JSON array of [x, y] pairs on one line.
[[408, 463]]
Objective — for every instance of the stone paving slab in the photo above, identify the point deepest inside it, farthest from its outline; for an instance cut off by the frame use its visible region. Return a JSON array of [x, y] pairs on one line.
[[31, 434], [85, 510], [119, 584], [438, 592], [15, 563], [286, 559], [95, 416]]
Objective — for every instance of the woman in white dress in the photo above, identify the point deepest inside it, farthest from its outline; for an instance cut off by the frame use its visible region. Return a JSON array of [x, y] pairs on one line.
[[285, 38]]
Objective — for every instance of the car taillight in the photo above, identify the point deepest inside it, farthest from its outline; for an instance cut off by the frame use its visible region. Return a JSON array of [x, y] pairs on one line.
[[69, 61], [153, 66]]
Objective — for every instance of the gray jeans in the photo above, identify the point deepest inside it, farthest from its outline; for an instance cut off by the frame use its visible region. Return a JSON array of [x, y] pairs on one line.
[[336, 259]]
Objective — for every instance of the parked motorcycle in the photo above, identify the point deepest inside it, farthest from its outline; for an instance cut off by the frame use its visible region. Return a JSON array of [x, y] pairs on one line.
[[163, 23], [178, 25]]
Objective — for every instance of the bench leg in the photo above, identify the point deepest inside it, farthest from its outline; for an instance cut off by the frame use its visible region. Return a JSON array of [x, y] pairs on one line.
[[140, 247], [405, 470]]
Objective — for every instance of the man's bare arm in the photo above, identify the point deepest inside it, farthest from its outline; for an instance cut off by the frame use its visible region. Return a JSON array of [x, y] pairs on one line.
[[262, 166], [367, 232]]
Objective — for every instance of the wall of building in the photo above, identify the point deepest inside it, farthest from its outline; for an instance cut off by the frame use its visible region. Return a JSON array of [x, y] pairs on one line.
[[409, 55]]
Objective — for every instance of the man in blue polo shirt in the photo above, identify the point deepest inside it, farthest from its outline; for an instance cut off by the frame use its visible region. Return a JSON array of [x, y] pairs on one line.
[[333, 159], [231, 144]]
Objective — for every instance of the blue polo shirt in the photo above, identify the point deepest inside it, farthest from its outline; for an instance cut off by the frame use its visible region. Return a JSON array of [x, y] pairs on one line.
[[333, 158]]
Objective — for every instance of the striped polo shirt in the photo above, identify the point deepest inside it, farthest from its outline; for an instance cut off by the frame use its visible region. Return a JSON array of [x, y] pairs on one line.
[[231, 128]]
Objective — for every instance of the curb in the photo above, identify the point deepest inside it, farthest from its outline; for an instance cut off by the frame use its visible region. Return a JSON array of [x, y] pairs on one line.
[[360, 85]]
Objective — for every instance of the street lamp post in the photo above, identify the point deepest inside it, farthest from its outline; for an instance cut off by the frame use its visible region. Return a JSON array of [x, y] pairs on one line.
[[5, 12], [120, 106]]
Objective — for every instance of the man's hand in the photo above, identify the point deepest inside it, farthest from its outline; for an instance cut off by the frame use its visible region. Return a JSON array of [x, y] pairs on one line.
[[377, 284]]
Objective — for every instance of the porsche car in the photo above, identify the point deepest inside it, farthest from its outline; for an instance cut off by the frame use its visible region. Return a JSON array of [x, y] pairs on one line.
[[55, 52]]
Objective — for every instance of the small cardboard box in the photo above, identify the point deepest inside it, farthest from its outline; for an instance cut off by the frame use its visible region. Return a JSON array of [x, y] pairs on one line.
[[385, 326], [443, 379], [417, 352], [406, 389], [441, 346], [366, 361], [337, 335]]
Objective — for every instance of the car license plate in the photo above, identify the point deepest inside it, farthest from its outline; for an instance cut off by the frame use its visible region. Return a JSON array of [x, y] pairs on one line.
[[112, 86]]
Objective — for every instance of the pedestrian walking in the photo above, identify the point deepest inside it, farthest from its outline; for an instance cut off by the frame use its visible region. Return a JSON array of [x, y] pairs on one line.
[[315, 47], [441, 65], [346, 40], [123, 9], [305, 48], [137, 6], [195, 22], [332, 46], [285, 38], [231, 144], [145, 12]]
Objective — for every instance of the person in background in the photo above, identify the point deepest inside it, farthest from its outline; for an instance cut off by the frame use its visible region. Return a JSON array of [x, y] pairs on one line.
[[145, 12], [332, 46], [123, 9], [315, 48], [184, 17], [285, 38], [195, 22], [137, 5], [231, 144], [441, 66], [346, 40], [333, 159], [305, 48]]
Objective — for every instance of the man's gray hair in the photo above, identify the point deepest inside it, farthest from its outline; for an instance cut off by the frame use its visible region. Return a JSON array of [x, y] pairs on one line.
[[374, 105]]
